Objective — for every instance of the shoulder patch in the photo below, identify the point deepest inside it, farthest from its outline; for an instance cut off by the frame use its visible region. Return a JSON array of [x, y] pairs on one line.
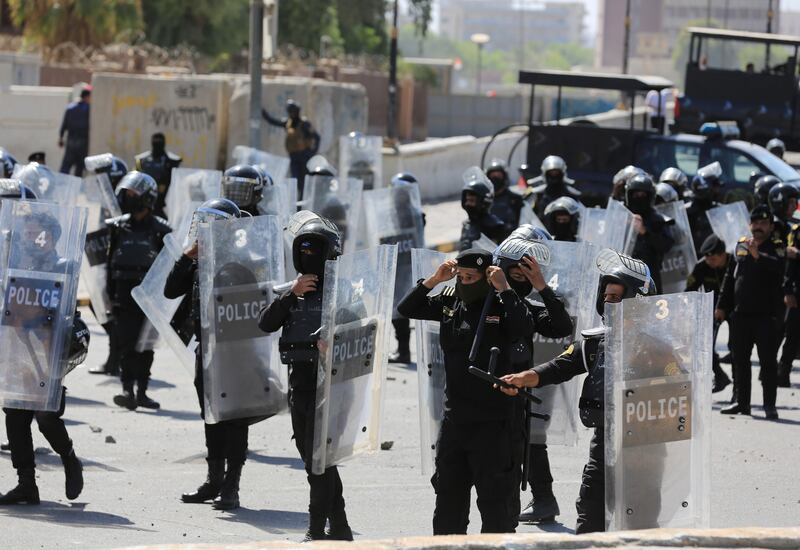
[[742, 239], [569, 351], [449, 291]]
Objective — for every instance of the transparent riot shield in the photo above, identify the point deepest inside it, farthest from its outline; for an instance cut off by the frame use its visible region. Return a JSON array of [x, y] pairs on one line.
[[658, 411], [680, 259], [50, 186], [276, 166], [41, 251], [528, 216], [161, 311], [619, 234], [240, 261], [568, 272], [593, 226], [354, 338], [394, 216], [361, 157], [730, 222], [485, 243], [430, 363], [97, 196], [339, 200], [189, 187]]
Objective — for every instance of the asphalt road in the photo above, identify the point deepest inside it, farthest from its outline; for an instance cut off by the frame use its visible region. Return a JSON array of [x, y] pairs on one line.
[[138, 463]]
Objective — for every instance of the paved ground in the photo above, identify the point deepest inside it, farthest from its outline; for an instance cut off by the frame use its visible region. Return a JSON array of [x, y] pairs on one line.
[[137, 464]]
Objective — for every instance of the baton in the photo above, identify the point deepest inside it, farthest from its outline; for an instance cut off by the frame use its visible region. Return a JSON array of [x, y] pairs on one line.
[[476, 343], [491, 378]]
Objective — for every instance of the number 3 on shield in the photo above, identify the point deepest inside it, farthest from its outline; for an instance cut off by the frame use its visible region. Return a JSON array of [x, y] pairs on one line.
[[41, 240], [663, 310], [601, 227], [241, 238]]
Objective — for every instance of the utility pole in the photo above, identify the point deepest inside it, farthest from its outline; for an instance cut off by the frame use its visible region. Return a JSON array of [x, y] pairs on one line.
[[770, 15], [627, 42], [391, 123], [708, 14], [256, 57]]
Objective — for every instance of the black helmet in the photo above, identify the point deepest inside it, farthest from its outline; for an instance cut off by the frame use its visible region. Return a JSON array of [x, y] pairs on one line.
[[476, 182], [15, 189], [632, 274], [108, 164], [36, 176], [666, 193], [403, 178], [144, 188], [776, 147], [510, 254], [675, 177], [562, 205], [763, 186], [701, 189], [531, 233], [212, 210], [640, 183], [79, 342], [780, 197], [7, 163], [243, 184], [312, 230], [620, 180]]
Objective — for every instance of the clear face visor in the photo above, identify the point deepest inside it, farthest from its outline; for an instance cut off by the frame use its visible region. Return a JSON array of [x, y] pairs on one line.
[[239, 190]]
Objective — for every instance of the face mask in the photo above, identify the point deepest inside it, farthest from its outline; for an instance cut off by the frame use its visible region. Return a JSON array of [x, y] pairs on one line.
[[313, 264], [562, 231], [158, 146], [473, 292], [131, 205], [522, 288], [473, 212], [553, 181], [498, 182], [639, 206]]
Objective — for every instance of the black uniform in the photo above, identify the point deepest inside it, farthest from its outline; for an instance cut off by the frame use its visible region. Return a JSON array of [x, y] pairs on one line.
[[159, 165], [752, 298], [76, 125], [133, 247], [480, 434], [791, 287], [698, 221], [507, 206], [488, 224], [656, 241]]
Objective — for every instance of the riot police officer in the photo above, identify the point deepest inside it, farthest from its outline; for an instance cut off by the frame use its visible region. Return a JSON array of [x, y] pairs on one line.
[[298, 311], [620, 180], [158, 163], [226, 440], [776, 147], [676, 179], [135, 240], [752, 300], [243, 185], [587, 355], [7, 163], [477, 443], [476, 200], [507, 204], [763, 186], [702, 201], [654, 238], [665, 193], [561, 218], [552, 184], [782, 201]]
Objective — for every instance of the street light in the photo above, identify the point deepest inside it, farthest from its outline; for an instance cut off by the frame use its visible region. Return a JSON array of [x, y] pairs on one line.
[[479, 39]]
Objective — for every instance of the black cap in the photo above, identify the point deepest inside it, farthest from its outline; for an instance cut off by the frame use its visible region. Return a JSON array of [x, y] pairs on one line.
[[760, 212], [712, 245], [476, 258]]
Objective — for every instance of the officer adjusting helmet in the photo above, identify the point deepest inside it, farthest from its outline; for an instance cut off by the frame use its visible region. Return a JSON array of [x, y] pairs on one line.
[[15, 189], [665, 193], [554, 171], [776, 147], [554, 214], [782, 200], [763, 186], [403, 178], [316, 240], [640, 193], [632, 274], [497, 172], [136, 191], [108, 164], [244, 184], [7, 163], [508, 257], [212, 210], [531, 233], [36, 176], [676, 178], [79, 343], [477, 195]]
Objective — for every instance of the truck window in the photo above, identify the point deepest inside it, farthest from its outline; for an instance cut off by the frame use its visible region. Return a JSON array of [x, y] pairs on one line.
[[687, 157], [655, 155]]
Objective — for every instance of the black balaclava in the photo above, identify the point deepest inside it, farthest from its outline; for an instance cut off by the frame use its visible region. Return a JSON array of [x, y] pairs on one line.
[[499, 180], [158, 145], [639, 203], [312, 258]]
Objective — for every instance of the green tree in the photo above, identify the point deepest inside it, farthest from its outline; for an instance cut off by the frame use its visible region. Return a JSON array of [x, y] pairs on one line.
[[49, 23]]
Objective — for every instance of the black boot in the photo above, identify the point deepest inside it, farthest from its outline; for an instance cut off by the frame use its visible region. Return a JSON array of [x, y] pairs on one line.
[[141, 397], [543, 507], [784, 371], [721, 381], [316, 527], [26, 491], [228, 498], [402, 356], [339, 528], [126, 399], [736, 409], [73, 471], [210, 489], [5, 446]]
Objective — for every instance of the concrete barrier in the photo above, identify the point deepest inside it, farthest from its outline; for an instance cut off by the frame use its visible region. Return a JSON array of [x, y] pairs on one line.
[[30, 120], [744, 537]]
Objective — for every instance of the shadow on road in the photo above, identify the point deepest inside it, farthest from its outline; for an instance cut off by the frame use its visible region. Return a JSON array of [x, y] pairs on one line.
[[48, 460], [74, 514], [272, 521], [556, 527], [292, 462]]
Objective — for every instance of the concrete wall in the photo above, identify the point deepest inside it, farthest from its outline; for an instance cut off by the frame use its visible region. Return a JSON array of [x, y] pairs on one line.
[[31, 116], [19, 69], [191, 111]]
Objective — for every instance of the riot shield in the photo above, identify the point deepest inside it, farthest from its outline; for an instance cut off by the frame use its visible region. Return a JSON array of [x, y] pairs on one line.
[[50, 186], [356, 315], [680, 259], [188, 188], [593, 226], [730, 222], [240, 261], [41, 256], [569, 273], [485, 243], [658, 411], [339, 200], [430, 363], [394, 216], [619, 234], [98, 198], [361, 157], [276, 166]]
